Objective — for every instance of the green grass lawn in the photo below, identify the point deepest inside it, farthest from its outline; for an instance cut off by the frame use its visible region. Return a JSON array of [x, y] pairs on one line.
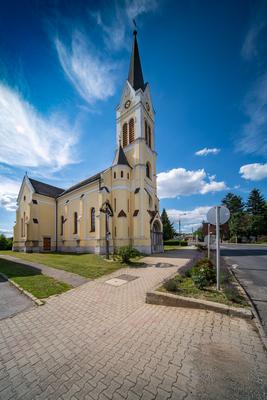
[[168, 247], [88, 265], [33, 281]]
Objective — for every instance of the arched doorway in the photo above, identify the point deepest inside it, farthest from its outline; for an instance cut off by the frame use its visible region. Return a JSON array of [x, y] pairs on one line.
[[156, 238]]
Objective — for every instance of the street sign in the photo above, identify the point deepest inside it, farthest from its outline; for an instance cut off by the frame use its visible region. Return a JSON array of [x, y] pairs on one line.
[[224, 215], [218, 215]]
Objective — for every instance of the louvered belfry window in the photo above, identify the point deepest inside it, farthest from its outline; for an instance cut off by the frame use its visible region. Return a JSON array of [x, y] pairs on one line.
[[124, 135], [149, 136], [131, 130]]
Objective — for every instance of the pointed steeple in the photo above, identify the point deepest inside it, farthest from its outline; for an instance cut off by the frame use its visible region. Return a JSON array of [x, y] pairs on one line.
[[120, 157], [135, 76]]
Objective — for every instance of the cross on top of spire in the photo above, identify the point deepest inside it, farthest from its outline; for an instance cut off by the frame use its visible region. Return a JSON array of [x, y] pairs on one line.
[[135, 76]]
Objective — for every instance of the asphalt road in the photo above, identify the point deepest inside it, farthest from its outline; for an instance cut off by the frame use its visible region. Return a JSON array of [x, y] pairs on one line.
[[249, 263], [11, 300]]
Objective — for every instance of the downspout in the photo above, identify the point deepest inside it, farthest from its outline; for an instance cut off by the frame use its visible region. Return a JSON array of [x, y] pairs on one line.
[[56, 224]]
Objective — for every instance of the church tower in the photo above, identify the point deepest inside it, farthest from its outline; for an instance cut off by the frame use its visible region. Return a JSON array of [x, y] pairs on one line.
[[135, 138]]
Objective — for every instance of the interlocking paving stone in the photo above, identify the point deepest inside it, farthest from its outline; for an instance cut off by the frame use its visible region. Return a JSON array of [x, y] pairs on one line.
[[101, 342]]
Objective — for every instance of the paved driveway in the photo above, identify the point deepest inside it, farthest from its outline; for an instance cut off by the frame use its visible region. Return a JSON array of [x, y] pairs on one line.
[[103, 342], [250, 266], [11, 300]]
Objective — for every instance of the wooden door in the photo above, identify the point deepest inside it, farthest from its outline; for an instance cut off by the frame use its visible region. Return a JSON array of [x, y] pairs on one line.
[[47, 244]]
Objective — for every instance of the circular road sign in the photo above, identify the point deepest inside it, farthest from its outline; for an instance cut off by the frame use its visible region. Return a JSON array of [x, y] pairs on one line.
[[224, 214]]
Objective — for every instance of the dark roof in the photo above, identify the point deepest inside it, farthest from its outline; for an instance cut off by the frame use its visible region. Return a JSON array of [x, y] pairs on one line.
[[45, 189], [120, 157], [82, 183], [135, 76]]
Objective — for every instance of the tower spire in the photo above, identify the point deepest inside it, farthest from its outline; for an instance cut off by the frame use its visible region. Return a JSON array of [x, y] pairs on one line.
[[135, 76]]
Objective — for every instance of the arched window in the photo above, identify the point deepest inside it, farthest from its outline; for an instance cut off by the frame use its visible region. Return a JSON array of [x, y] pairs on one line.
[[62, 225], [124, 135], [131, 130], [92, 219], [148, 170], [149, 136], [146, 133], [114, 175], [75, 223]]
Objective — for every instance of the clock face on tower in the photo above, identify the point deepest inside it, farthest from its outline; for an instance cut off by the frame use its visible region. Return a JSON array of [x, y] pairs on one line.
[[127, 104]]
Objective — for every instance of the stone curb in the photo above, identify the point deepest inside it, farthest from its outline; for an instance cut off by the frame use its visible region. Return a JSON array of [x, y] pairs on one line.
[[38, 302], [257, 320], [172, 300]]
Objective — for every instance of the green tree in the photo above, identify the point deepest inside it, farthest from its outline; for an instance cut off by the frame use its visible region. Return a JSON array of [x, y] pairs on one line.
[[238, 223], [5, 243], [168, 229], [256, 208], [234, 203]]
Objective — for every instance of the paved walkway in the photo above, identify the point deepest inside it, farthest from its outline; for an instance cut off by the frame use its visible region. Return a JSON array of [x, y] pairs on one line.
[[12, 301], [103, 342], [61, 275]]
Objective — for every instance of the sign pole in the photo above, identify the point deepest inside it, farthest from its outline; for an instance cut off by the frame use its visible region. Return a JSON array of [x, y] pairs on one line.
[[208, 241], [218, 245]]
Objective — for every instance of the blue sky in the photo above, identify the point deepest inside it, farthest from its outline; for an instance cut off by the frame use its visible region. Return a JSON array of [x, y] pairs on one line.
[[62, 69]]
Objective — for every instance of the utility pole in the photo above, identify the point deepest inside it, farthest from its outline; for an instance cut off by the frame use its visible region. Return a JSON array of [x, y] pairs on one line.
[[218, 245], [208, 241]]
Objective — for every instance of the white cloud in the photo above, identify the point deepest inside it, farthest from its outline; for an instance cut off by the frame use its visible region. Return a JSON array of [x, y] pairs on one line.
[[206, 151], [9, 189], [189, 218], [253, 136], [30, 140], [182, 182], [254, 172], [6, 232], [93, 78], [249, 48]]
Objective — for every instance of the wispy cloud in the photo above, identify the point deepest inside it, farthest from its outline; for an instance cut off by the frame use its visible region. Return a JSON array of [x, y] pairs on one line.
[[254, 172], [94, 78], [29, 139], [9, 189], [182, 182], [253, 137], [206, 151], [6, 232], [189, 218], [250, 45], [115, 28]]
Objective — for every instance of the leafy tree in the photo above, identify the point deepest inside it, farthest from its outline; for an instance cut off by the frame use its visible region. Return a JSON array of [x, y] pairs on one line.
[[256, 208], [5, 243], [168, 229], [238, 221], [234, 203]]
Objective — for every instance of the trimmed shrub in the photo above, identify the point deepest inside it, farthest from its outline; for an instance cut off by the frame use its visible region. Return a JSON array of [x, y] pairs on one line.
[[183, 243], [170, 285], [125, 253]]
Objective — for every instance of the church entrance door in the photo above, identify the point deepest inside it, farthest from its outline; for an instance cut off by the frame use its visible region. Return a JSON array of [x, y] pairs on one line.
[[156, 238], [47, 244]]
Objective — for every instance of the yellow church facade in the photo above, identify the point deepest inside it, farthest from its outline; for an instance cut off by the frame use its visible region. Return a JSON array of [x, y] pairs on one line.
[[116, 207]]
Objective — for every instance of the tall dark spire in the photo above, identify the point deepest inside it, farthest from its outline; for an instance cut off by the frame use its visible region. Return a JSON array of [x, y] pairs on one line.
[[135, 76]]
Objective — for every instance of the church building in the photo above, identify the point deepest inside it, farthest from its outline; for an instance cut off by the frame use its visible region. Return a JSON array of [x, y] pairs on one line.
[[116, 207]]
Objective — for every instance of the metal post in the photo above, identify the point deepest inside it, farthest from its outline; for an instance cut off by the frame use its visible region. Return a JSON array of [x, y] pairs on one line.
[[218, 246], [208, 241]]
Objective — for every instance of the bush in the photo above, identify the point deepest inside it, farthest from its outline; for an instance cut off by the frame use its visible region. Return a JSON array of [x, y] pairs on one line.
[[183, 243], [207, 269], [175, 242], [125, 253], [170, 285], [201, 247], [199, 278]]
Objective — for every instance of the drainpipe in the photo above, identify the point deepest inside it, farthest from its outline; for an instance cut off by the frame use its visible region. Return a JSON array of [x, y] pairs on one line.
[[56, 224]]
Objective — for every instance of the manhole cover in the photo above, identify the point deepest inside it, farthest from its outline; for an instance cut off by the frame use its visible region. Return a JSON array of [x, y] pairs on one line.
[[116, 282], [127, 277]]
